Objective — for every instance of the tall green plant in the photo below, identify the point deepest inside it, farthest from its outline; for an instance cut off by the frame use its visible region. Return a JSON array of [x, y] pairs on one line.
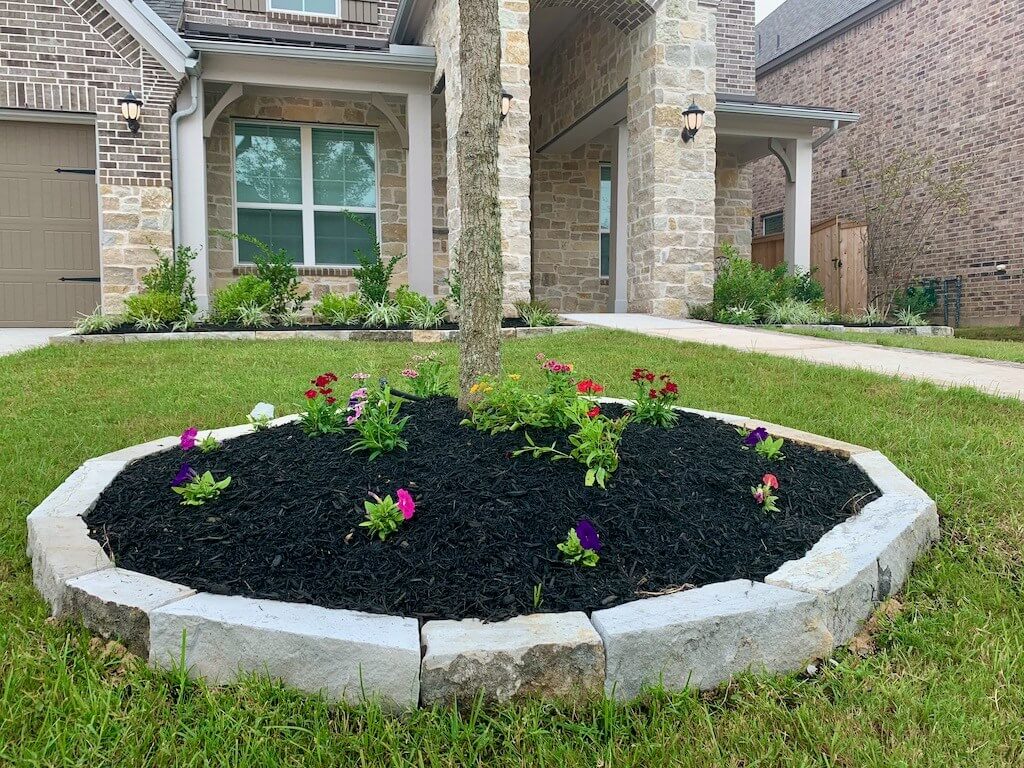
[[276, 268], [172, 276], [373, 275]]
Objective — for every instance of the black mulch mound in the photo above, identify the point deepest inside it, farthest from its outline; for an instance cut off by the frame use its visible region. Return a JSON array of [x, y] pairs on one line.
[[508, 322], [678, 511]]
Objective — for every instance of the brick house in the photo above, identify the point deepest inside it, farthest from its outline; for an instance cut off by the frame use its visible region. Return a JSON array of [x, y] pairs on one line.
[[273, 117], [940, 78]]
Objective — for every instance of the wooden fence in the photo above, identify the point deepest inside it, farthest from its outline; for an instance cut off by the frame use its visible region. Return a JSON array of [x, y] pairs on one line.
[[837, 260]]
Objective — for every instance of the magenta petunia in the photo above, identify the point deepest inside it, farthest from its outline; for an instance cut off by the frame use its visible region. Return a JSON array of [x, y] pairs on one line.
[[188, 438], [405, 503]]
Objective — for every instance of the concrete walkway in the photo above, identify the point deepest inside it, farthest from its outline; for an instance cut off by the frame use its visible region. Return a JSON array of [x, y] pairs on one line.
[[991, 376], [19, 339]]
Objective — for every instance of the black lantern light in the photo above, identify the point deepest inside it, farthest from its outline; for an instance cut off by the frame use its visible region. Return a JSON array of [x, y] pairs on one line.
[[506, 103], [131, 108], [693, 119]]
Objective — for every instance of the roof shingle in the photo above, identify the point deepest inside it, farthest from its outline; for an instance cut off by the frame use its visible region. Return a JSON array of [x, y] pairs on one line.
[[797, 21]]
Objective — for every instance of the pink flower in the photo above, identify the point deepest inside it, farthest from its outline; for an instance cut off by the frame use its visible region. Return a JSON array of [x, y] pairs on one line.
[[352, 419], [409, 373], [759, 496], [405, 503], [540, 357], [771, 481], [360, 376], [188, 438], [359, 394]]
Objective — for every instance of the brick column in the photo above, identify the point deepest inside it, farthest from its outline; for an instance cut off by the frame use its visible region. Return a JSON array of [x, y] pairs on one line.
[[671, 183]]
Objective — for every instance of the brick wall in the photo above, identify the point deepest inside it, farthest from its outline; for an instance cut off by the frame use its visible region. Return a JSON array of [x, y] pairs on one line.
[[941, 78], [734, 38], [217, 12]]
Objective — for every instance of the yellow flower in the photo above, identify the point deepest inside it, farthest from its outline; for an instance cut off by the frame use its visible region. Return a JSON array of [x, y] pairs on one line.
[[474, 389], [515, 376]]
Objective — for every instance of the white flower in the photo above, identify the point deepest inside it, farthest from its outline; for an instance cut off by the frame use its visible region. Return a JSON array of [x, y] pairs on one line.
[[261, 414]]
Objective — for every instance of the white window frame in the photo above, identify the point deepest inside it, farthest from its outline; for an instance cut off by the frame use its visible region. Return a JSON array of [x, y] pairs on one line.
[[307, 206], [602, 230], [335, 15]]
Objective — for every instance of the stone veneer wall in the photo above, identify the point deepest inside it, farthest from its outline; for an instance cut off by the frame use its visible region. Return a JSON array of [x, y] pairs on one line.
[[317, 108], [74, 57], [732, 204], [940, 78], [566, 230]]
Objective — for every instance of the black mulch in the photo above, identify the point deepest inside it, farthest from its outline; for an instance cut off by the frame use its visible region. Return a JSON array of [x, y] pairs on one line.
[[678, 511], [508, 322]]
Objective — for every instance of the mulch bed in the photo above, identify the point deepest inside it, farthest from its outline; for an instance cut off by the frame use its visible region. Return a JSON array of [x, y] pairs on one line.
[[677, 512], [509, 322]]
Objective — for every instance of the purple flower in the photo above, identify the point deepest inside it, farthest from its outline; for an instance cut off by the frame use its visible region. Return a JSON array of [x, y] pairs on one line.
[[185, 475], [588, 535], [188, 438], [755, 436]]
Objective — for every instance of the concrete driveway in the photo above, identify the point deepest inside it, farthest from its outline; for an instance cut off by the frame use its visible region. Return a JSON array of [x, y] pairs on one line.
[[19, 339]]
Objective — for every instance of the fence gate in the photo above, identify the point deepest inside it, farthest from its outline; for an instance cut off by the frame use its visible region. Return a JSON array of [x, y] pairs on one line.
[[837, 260]]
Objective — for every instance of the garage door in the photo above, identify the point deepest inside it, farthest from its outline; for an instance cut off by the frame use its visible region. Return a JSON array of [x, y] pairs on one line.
[[49, 242]]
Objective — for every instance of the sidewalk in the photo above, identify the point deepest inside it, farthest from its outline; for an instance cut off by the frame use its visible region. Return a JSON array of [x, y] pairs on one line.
[[991, 376], [18, 339]]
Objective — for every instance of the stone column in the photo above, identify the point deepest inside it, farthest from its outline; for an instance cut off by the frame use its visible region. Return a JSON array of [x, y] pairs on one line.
[[671, 182], [797, 213], [733, 204], [617, 294], [419, 196], [191, 187], [514, 151]]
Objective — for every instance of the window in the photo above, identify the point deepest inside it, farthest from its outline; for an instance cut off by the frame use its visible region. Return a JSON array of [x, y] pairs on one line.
[[298, 188], [771, 223], [606, 217], [318, 7]]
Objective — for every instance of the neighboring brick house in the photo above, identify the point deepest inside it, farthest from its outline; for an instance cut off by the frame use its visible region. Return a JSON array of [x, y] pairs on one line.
[[277, 118], [935, 77]]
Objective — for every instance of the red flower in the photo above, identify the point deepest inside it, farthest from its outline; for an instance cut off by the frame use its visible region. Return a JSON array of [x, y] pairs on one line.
[[331, 401], [325, 391], [653, 394], [771, 481], [649, 376], [593, 412], [671, 388], [331, 376], [322, 380], [587, 386], [310, 394], [640, 374]]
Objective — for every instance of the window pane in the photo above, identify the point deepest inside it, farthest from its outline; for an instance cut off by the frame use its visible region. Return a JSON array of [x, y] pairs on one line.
[[326, 7], [606, 249], [606, 198], [772, 223], [278, 229], [338, 237], [286, 5], [344, 168], [268, 164]]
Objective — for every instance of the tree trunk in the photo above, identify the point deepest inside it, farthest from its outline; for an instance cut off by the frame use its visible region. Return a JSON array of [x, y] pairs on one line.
[[479, 248]]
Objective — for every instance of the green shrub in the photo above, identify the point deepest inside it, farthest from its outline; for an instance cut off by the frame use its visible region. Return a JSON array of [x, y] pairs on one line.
[[803, 287], [172, 276], [383, 314], [702, 312], [248, 290], [918, 300], [742, 283], [157, 306], [336, 309], [536, 314], [410, 301], [373, 275], [740, 314], [792, 311], [430, 315], [277, 270]]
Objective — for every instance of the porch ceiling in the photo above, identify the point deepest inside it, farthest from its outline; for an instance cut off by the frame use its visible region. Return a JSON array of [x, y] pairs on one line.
[[746, 129]]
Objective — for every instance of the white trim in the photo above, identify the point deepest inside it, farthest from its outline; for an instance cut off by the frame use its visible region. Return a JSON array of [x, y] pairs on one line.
[[231, 95], [153, 33], [48, 116], [410, 57], [334, 16], [308, 207], [785, 110]]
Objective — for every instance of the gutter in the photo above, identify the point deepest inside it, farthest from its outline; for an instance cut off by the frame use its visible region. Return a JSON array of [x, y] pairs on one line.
[[407, 57], [786, 110], [826, 136]]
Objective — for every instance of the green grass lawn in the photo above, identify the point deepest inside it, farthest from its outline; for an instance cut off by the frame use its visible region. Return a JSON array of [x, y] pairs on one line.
[[1012, 351], [943, 687], [992, 332]]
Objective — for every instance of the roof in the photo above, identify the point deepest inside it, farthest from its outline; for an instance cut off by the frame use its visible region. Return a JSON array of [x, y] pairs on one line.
[[168, 10], [798, 25]]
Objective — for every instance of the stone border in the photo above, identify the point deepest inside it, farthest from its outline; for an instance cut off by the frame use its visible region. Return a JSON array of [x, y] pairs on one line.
[[421, 337], [698, 638], [900, 330]]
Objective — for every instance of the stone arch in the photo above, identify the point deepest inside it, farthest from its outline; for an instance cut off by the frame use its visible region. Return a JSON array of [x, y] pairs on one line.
[[627, 15]]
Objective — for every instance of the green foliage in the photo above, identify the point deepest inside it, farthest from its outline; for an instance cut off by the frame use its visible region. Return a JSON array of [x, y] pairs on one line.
[[382, 516], [373, 275], [201, 489], [208, 444], [173, 276], [277, 270], [322, 416], [248, 290], [148, 322], [770, 448], [431, 315], [409, 300], [575, 553], [378, 425], [382, 314], [504, 406], [792, 312], [536, 314], [870, 316], [655, 399], [741, 314], [98, 322], [335, 309], [425, 376], [454, 283], [252, 315], [702, 311], [163, 308], [919, 299], [907, 316], [744, 288]]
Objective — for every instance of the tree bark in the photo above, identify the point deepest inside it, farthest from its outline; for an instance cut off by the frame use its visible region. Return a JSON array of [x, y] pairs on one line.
[[479, 250]]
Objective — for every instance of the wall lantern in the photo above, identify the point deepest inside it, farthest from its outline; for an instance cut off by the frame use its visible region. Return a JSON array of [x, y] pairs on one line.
[[693, 119], [506, 103], [131, 108]]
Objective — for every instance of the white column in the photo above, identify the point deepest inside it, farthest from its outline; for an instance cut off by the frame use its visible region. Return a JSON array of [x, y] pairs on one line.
[[797, 214], [191, 187], [419, 196], [618, 258]]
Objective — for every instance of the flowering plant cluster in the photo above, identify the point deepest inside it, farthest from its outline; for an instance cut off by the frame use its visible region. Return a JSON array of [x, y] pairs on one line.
[[373, 414], [322, 413], [424, 376], [655, 396], [581, 545], [764, 493], [195, 489], [383, 516], [190, 439], [767, 446]]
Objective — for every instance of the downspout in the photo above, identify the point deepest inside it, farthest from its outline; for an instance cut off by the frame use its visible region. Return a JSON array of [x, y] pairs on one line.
[[826, 136], [193, 69]]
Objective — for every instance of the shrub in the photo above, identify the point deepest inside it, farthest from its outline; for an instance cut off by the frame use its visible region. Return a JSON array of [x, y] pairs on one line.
[[792, 312], [373, 275], [743, 314], [277, 270], [335, 309], [536, 314], [164, 308], [98, 322], [429, 316], [744, 284], [248, 290], [252, 315], [907, 316], [410, 301], [919, 299], [382, 314], [173, 276], [702, 312], [803, 287]]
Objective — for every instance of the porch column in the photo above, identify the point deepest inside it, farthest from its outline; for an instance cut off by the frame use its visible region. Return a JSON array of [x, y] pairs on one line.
[[191, 188], [619, 228], [419, 196], [797, 212]]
